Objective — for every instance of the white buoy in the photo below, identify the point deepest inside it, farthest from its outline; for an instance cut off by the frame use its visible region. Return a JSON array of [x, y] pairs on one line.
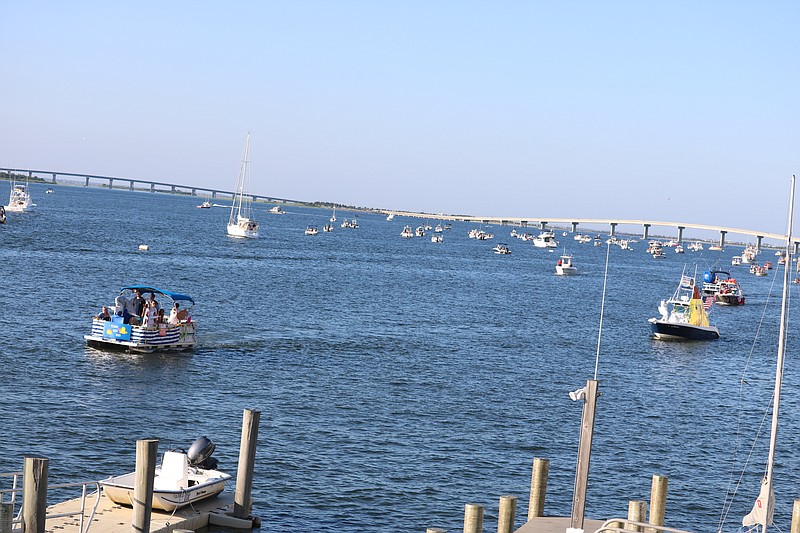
[[143, 247]]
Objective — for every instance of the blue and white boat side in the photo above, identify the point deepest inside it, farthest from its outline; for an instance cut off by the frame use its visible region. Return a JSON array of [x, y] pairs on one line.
[[131, 333]]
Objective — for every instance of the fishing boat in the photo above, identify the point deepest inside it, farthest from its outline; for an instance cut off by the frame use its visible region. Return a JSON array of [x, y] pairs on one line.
[[183, 478], [277, 210], [502, 249], [736, 260], [20, 199], [684, 316], [241, 223], [125, 330], [312, 230], [564, 266], [205, 205], [327, 228], [407, 233], [437, 238]]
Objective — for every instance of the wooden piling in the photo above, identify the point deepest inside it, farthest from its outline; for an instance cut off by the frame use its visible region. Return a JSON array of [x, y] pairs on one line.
[[242, 499], [541, 467], [34, 494], [637, 512], [795, 517], [144, 478], [658, 500], [507, 513], [473, 518], [6, 517]]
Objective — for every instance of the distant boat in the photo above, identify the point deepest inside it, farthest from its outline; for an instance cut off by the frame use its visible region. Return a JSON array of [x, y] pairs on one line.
[[684, 316], [437, 238], [20, 199], [333, 216], [49, 191], [407, 233], [502, 249], [205, 205], [545, 239], [327, 227], [276, 210], [2, 214], [564, 267], [724, 288], [240, 223], [390, 217], [311, 230]]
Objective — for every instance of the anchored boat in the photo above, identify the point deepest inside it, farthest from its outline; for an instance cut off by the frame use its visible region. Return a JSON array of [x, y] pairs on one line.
[[684, 316], [127, 330], [183, 478]]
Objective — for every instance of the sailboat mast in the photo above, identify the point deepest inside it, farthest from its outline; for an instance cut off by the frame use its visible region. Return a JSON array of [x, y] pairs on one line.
[[779, 366]]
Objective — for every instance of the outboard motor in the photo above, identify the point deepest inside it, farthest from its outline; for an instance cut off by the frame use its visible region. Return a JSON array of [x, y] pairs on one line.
[[199, 454]]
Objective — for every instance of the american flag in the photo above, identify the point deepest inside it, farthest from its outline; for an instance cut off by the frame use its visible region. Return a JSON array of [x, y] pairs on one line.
[[708, 302]]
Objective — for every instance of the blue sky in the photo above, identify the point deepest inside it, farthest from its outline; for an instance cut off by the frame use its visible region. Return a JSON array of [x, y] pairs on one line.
[[683, 111]]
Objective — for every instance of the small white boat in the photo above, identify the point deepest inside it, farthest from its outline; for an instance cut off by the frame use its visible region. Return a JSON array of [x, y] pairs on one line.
[[407, 233], [564, 267], [333, 216], [679, 249], [545, 239], [437, 238], [312, 230], [438, 228], [277, 210], [390, 216], [327, 228], [241, 224], [49, 191], [205, 205], [420, 231], [182, 478], [20, 199], [502, 249], [736, 260]]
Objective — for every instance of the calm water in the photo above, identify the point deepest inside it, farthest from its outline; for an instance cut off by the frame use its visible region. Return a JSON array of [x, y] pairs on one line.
[[397, 379]]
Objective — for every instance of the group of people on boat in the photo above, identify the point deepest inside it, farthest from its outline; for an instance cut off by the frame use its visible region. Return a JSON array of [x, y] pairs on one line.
[[140, 311]]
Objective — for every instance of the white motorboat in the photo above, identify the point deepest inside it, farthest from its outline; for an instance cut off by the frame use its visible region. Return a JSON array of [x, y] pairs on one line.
[[241, 223], [277, 210], [20, 199], [312, 230], [564, 266], [684, 316], [125, 330], [327, 228], [390, 216], [437, 238], [438, 228], [182, 478], [502, 249], [736, 260], [679, 249], [545, 239], [407, 233], [49, 191], [420, 231], [205, 205]]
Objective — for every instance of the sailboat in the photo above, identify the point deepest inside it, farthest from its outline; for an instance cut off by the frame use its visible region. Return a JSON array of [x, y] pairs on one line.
[[333, 217], [240, 223], [761, 515]]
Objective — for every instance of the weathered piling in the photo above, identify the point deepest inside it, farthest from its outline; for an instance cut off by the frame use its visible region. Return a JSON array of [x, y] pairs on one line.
[[637, 512], [658, 500], [541, 468], [6, 516], [473, 518], [505, 517], [34, 494], [795, 517], [144, 479], [242, 499]]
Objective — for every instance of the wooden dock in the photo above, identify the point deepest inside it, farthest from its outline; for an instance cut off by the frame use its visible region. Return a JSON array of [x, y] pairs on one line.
[[110, 517], [555, 524]]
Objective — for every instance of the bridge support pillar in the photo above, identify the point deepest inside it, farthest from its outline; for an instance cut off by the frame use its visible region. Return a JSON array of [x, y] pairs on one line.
[[523, 223], [87, 181], [194, 192], [574, 227], [152, 187], [131, 184], [30, 175], [54, 177], [213, 194], [543, 225], [110, 183], [758, 242], [646, 231], [255, 199], [722, 234], [613, 229], [173, 188], [680, 233]]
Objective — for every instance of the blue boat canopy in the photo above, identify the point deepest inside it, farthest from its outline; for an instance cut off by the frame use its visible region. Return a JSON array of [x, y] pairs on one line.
[[176, 297]]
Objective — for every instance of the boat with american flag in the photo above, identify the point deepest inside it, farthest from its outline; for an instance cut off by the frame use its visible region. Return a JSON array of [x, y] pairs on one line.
[[685, 315]]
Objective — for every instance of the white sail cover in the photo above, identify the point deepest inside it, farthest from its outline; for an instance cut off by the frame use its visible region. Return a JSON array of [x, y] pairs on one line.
[[762, 509]]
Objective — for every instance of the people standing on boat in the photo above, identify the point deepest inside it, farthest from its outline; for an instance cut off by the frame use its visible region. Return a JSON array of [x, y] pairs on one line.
[[104, 314], [149, 315], [138, 303], [173, 315], [153, 301]]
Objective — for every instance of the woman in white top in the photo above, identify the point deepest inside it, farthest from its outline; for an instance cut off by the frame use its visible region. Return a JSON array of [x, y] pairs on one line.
[[149, 313], [173, 316]]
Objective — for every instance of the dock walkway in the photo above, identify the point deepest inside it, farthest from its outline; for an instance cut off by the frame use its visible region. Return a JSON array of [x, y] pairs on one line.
[[113, 518]]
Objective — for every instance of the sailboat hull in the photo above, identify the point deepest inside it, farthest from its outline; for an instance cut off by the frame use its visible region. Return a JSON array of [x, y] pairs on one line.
[[671, 331]]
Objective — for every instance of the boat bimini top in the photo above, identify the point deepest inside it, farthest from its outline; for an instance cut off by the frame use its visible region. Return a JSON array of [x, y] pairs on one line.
[[176, 297]]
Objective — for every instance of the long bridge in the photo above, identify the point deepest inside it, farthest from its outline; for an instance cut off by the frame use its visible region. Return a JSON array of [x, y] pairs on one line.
[[574, 223], [136, 184]]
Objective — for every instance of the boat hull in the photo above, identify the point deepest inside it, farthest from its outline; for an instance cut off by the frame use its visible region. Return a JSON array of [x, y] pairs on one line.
[[234, 230], [144, 340], [566, 271], [675, 331], [119, 489], [729, 299]]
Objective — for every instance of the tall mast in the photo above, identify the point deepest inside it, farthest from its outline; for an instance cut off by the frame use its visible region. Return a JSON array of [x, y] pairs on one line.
[[768, 484]]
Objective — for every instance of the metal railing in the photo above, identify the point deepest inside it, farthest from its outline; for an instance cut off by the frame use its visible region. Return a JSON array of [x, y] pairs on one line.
[[623, 525], [84, 521]]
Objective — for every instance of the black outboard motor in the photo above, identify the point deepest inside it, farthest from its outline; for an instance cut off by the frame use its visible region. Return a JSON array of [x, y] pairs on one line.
[[199, 454]]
